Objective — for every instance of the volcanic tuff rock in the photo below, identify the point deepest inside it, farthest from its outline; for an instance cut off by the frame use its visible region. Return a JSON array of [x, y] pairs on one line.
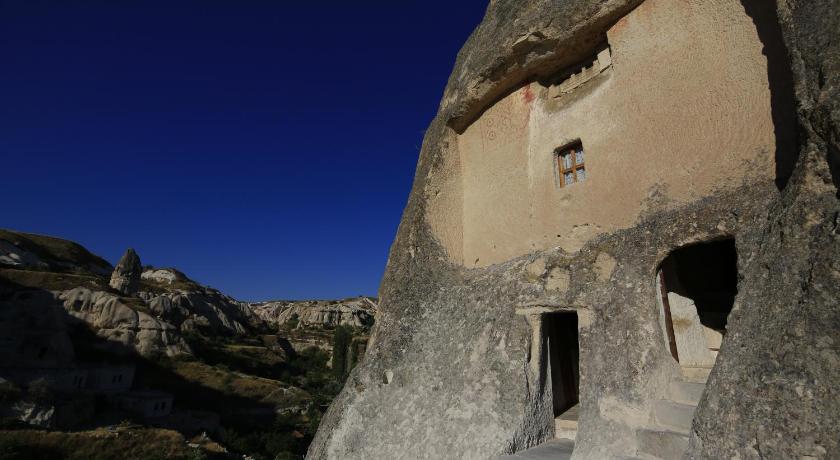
[[126, 275], [48, 277], [190, 305], [448, 371], [120, 324], [47, 284], [355, 312], [776, 378]]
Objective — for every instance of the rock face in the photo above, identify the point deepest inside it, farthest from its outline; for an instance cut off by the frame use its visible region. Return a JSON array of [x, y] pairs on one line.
[[55, 285], [457, 364], [124, 327], [354, 312], [773, 393], [126, 275], [189, 305]]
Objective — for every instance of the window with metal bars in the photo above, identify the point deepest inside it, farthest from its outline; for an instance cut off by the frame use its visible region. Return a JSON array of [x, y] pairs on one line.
[[570, 164]]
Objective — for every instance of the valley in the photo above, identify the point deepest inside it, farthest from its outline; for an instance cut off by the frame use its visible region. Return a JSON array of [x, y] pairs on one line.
[[90, 351]]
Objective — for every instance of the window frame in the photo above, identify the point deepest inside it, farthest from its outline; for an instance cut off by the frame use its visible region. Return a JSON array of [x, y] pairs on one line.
[[571, 150]]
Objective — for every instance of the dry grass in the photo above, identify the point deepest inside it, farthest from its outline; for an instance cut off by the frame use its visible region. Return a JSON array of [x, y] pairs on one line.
[[234, 383], [135, 443], [52, 281], [54, 251]]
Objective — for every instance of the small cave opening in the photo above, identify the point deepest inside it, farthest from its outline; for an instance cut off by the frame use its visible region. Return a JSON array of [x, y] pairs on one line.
[[698, 285]]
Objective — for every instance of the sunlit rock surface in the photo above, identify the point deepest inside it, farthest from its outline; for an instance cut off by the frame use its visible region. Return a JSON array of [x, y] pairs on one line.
[[354, 312]]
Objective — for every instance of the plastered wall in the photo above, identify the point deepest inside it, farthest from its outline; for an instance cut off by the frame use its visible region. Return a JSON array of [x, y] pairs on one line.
[[682, 112]]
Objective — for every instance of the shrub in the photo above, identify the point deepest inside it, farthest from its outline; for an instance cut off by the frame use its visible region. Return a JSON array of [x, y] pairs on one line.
[[293, 321]]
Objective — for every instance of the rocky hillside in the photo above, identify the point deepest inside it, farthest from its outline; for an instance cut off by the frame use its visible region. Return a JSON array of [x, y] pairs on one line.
[[264, 371], [353, 312], [145, 309], [44, 253]]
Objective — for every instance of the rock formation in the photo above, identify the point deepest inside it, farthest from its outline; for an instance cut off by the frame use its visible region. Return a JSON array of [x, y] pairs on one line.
[[122, 326], [354, 312], [49, 286], [190, 306], [52, 285], [126, 275], [460, 362]]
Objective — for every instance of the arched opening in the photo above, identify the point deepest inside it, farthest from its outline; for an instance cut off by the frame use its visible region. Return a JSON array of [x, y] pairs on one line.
[[697, 289], [697, 286]]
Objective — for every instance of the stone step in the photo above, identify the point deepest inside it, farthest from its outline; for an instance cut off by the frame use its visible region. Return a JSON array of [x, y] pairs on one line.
[[696, 374], [661, 444], [566, 424], [551, 450], [565, 429], [673, 415], [686, 392]]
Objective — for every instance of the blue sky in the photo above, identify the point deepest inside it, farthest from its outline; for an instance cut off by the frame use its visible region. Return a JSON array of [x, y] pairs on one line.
[[265, 148]]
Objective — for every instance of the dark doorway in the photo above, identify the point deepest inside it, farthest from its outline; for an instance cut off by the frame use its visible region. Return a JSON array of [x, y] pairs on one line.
[[561, 332], [707, 273], [698, 287]]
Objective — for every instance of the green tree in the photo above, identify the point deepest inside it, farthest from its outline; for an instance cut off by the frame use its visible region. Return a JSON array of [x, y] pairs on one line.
[[293, 321], [342, 338]]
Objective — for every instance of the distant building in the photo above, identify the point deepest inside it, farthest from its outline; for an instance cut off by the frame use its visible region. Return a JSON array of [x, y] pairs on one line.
[[110, 379], [96, 379], [147, 403]]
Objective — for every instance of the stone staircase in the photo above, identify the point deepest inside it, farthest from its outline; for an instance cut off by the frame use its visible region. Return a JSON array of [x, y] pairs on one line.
[[667, 436]]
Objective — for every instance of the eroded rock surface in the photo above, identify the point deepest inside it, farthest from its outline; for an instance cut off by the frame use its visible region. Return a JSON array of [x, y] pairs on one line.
[[126, 275], [190, 305], [354, 312], [120, 324]]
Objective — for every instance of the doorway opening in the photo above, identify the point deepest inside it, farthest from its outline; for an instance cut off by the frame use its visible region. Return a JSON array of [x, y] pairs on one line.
[[697, 289], [561, 334]]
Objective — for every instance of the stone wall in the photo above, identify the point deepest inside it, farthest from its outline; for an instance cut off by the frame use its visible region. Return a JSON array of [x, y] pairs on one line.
[[681, 112]]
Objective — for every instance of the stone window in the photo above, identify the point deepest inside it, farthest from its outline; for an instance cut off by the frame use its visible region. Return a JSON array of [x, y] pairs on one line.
[[570, 164]]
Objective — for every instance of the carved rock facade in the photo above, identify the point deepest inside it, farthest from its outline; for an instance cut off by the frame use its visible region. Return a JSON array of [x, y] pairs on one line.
[[460, 363]]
